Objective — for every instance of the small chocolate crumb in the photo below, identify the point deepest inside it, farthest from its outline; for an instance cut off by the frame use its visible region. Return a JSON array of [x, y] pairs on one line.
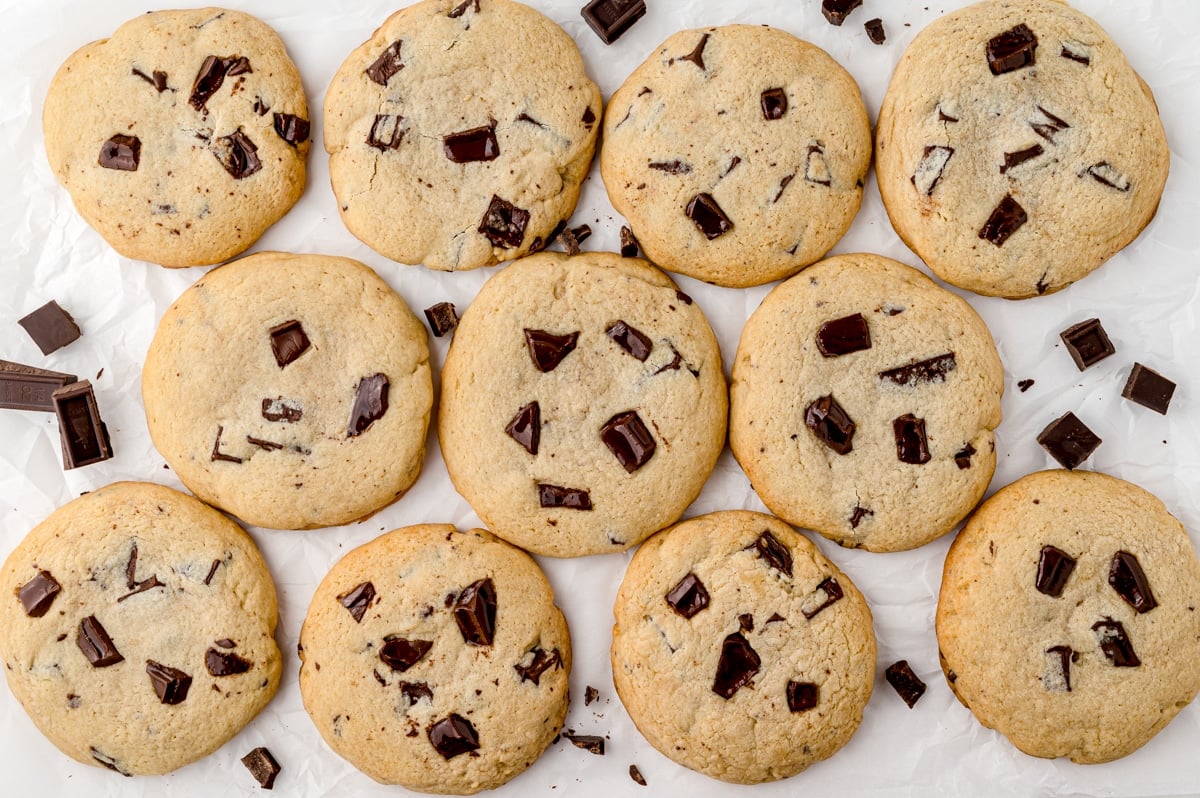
[[1024, 385], [590, 695], [636, 775], [875, 31], [588, 742]]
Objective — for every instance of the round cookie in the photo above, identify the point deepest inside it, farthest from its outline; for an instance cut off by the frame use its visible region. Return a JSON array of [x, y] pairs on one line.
[[737, 153], [583, 403], [739, 650], [436, 659], [1067, 618], [181, 138], [460, 132], [291, 390], [138, 628], [1017, 150], [863, 403]]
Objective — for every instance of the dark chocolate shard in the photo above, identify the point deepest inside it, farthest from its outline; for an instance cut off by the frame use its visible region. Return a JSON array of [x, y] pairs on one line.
[[50, 327], [858, 514], [774, 103], [1057, 676], [225, 663], [142, 587], [452, 736], [591, 743], [387, 64], [696, 56], [1012, 50], [733, 162], [629, 243], [217, 455], [387, 132], [357, 599], [783, 184], [475, 612], [238, 154], [590, 696], [82, 432], [547, 349], [801, 696], [707, 215], [688, 597], [524, 117], [157, 79], [875, 31], [962, 458], [931, 167], [291, 128], [1115, 643], [370, 404], [279, 409], [627, 438], [945, 117], [571, 237], [843, 336], [1048, 125], [1105, 174], [1087, 343], [121, 152], [288, 342], [836, 11], [462, 7], [476, 144], [1068, 440], [909, 686], [526, 427], [816, 169], [27, 388], [415, 691], [1019, 157], [611, 18], [830, 423], [636, 775], [262, 766], [1126, 576], [1005, 220], [540, 661], [567, 498], [212, 571], [737, 667], [400, 653], [675, 167], [912, 446], [631, 339], [442, 318], [170, 684], [95, 643], [774, 553], [1149, 389], [109, 762], [829, 592], [210, 77], [1074, 51], [504, 223], [38, 594], [238, 65]]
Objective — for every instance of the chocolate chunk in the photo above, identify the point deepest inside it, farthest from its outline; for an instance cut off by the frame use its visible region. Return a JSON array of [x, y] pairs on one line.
[[386, 132], [1074, 51], [774, 103], [170, 684], [452, 736], [526, 427], [1149, 389], [542, 661], [1129, 580], [225, 663], [387, 64], [1019, 157], [279, 409], [82, 432], [801, 696], [590, 696], [1057, 676], [931, 168], [1024, 385], [476, 144], [109, 762], [288, 342], [1115, 644], [733, 162], [830, 423], [462, 7], [572, 237], [38, 594], [911, 444], [962, 458], [907, 684], [816, 170], [843, 336], [627, 438], [225, 642], [400, 654], [158, 80], [50, 327], [746, 622], [217, 455], [442, 317], [696, 56], [688, 597], [262, 767], [636, 775], [238, 65], [945, 117], [121, 152], [357, 599], [783, 184], [142, 587], [370, 404], [28, 388], [475, 612], [524, 117], [1087, 343], [629, 243], [567, 498], [415, 691], [684, 298], [611, 18], [95, 644], [1005, 220], [1068, 440], [776, 554], [504, 223], [675, 167], [547, 349], [210, 77], [1048, 125], [1011, 50], [237, 154], [1104, 173], [704, 211], [827, 593], [260, 107], [858, 514], [875, 31], [631, 339], [737, 667], [291, 128], [212, 571], [588, 742], [836, 11]]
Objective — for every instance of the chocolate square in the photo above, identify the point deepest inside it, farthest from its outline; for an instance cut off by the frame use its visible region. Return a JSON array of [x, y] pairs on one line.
[[50, 327], [81, 430], [611, 18], [1087, 343], [1068, 440], [442, 317], [1149, 389], [28, 388]]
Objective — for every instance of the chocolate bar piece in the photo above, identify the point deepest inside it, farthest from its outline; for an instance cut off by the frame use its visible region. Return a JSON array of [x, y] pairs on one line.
[[50, 327], [83, 433], [28, 388]]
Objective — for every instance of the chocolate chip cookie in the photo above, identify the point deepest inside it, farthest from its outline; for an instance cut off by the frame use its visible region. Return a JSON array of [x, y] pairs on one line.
[[1069, 616], [739, 650], [583, 403], [436, 659], [291, 390], [863, 403], [737, 153], [459, 133], [1017, 150], [182, 137], [138, 628]]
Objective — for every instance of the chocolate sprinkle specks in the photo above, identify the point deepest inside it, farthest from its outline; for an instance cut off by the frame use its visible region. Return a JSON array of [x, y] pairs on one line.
[[931, 370], [238, 154], [475, 612], [370, 404], [912, 446], [526, 427], [400, 654], [1149, 389], [1129, 580], [504, 223], [476, 144], [170, 684], [541, 662], [737, 667], [291, 128], [387, 64], [827, 593], [830, 423], [96, 645], [225, 663], [386, 132], [1115, 643], [288, 342], [262, 767], [688, 597], [611, 18], [775, 553], [452, 736], [1011, 50], [1024, 385], [627, 438], [1087, 343], [357, 599], [843, 336], [1068, 440], [774, 103], [120, 152], [910, 687], [547, 350], [631, 339], [801, 696], [567, 498], [1005, 220], [38, 594]]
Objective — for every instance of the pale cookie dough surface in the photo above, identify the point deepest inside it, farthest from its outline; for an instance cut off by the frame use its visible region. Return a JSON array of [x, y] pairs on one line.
[[802, 619], [498, 70], [293, 391], [928, 359], [198, 168], [170, 581], [996, 627], [574, 493], [386, 659], [770, 128], [1019, 183]]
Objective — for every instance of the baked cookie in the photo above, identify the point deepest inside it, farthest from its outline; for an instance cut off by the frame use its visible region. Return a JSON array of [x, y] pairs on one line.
[[737, 153], [427, 644], [583, 403], [739, 650], [138, 628], [290, 390], [863, 403], [182, 137], [459, 133], [1017, 150], [1069, 616]]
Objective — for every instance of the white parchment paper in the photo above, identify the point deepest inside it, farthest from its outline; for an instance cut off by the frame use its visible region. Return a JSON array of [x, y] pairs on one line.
[[1145, 296]]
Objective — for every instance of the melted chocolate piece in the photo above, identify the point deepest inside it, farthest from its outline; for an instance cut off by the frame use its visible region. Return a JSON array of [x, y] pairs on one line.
[[38, 594], [830, 423], [28, 388], [1087, 343], [1005, 220], [370, 404], [225, 642], [462, 7], [875, 31], [688, 597], [211, 75], [832, 594], [1073, 51], [636, 775], [588, 742], [400, 654], [280, 409], [1129, 580], [237, 154], [1012, 50], [631, 339], [475, 612], [504, 223], [415, 691], [526, 427], [1149, 389], [571, 237], [836, 11], [843, 336], [121, 152], [357, 599], [387, 64], [1049, 125], [611, 18], [931, 168], [158, 81], [816, 170], [547, 350], [962, 458], [217, 455], [452, 736], [675, 167], [627, 438], [567, 498], [775, 553], [96, 645], [1019, 157], [629, 243], [911, 444], [1104, 173], [476, 144], [262, 767], [386, 132], [1068, 440], [170, 684], [774, 103], [737, 667], [442, 317], [704, 211], [1058, 672], [225, 663], [542, 661], [801, 696], [82, 432], [291, 128], [589, 117], [907, 684], [51, 328], [696, 56], [109, 762], [858, 514], [288, 342], [1115, 643], [783, 184]]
